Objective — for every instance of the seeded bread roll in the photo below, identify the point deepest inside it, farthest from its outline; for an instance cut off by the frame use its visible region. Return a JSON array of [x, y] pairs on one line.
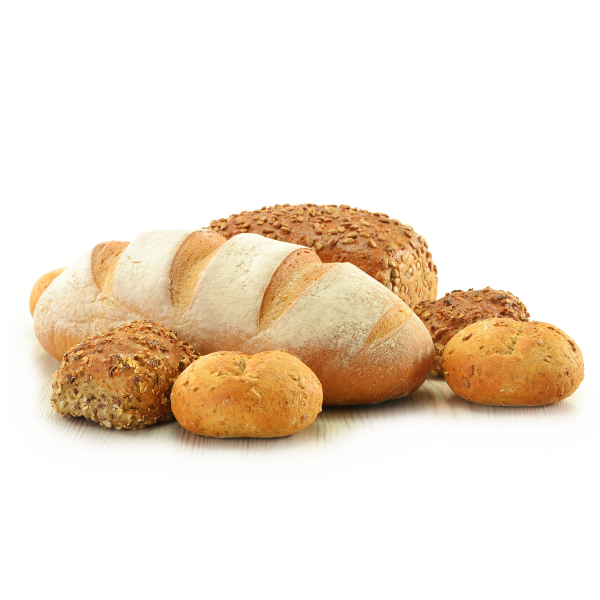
[[446, 316], [502, 362], [248, 294], [121, 378], [229, 394], [393, 253]]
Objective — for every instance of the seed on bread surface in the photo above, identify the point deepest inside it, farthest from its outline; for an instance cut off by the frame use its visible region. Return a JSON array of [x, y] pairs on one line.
[[121, 378]]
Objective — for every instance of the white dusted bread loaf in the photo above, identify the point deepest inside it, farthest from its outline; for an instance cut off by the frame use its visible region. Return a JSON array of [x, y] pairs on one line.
[[249, 294]]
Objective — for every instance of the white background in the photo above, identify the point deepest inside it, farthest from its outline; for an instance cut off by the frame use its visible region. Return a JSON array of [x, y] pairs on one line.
[[478, 123]]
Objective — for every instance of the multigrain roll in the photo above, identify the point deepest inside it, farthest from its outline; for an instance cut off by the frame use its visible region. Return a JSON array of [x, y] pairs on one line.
[[384, 248], [121, 378], [503, 362], [230, 394], [446, 316]]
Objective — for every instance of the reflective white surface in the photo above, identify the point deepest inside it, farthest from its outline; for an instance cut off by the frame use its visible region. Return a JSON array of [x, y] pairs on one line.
[[423, 494]]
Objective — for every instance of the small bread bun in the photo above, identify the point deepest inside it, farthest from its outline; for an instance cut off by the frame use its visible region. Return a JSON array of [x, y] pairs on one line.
[[503, 362], [229, 394], [121, 378], [40, 286], [446, 316]]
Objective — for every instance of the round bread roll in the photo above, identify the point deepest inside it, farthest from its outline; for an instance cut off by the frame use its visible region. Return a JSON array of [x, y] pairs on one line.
[[502, 362], [446, 316], [386, 249], [229, 394], [121, 378], [40, 286]]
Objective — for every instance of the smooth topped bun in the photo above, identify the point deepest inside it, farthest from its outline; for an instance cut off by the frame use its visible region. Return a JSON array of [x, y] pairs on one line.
[[509, 363], [230, 394]]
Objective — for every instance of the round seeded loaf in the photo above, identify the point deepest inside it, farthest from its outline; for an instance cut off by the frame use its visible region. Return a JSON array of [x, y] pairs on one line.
[[122, 378], [391, 252], [446, 316], [510, 363], [229, 394]]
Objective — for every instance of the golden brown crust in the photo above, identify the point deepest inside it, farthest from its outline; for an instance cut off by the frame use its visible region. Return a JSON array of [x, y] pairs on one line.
[[105, 257], [446, 316], [295, 274], [384, 248], [40, 286], [503, 362], [393, 319], [121, 378], [191, 259], [229, 394]]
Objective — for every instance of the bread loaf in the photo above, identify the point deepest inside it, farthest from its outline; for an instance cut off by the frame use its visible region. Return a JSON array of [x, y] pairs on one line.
[[249, 294], [384, 248]]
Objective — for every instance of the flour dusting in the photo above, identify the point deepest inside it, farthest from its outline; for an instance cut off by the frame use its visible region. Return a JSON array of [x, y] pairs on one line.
[[226, 304], [327, 327], [141, 280]]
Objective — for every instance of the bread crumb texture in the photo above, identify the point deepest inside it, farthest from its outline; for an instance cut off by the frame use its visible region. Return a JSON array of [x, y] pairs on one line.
[[230, 394], [386, 249], [121, 379], [503, 362], [446, 316]]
